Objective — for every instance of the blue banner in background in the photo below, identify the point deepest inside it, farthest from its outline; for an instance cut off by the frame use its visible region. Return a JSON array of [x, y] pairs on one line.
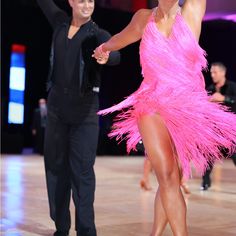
[[17, 85]]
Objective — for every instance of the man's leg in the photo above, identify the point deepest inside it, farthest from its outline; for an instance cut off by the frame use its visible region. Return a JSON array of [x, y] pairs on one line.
[[206, 179], [83, 145], [57, 173], [233, 157]]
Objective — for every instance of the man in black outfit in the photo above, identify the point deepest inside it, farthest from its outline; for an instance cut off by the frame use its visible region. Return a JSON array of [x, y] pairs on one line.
[[72, 124], [222, 91]]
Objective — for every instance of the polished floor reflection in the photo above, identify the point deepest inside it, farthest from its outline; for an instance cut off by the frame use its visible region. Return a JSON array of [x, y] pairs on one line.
[[122, 208]]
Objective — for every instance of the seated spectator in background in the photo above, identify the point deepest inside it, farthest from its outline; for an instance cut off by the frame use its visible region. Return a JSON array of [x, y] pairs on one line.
[[38, 126], [222, 91]]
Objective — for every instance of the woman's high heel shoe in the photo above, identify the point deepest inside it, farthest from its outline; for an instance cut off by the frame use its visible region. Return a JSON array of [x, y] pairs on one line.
[[185, 188], [145, 186]]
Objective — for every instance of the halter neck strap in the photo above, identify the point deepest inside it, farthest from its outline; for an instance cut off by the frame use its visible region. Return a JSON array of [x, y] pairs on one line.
[[154, 12]]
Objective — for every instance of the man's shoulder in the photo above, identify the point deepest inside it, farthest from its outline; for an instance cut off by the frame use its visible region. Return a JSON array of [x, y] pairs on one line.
[[100, 33], [97, 29], [231, 83], [211, 87]]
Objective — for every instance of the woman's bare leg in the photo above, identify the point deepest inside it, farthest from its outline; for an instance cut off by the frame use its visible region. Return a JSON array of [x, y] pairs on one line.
[[160, 218], [185, 187], [183, 182], [158, 146], [145, 181]]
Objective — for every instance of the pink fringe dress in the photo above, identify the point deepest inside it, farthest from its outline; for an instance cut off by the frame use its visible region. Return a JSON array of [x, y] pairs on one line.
[[173, 86]]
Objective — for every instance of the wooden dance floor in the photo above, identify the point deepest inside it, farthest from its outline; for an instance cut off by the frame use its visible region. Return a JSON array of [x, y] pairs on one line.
[[122, 208]]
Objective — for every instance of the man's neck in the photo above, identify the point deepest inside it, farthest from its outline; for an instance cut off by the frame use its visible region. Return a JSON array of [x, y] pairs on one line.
[[77, 22], [220, 83]]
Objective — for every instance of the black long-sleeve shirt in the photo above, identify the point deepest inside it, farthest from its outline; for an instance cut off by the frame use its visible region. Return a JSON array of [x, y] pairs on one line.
[[229, 91], [75, 75]]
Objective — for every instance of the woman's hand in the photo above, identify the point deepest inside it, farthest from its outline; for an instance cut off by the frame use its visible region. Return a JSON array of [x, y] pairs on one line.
[[101, 56]]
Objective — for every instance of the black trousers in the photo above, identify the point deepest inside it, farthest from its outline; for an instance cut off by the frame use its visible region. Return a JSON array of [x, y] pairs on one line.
[[206, 179], [39, 140], [70, 151]]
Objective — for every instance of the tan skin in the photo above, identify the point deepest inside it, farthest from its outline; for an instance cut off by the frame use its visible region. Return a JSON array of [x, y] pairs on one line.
[[147, 169], [169, 203], [145, 181]]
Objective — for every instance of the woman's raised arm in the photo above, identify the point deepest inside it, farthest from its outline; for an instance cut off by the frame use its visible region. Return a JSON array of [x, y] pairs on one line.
[[193, 11]]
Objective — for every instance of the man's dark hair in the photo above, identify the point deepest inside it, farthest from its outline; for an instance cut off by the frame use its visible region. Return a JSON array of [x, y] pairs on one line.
[[219, 64]]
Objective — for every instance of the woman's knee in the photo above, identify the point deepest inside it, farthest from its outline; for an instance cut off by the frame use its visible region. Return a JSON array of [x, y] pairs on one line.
[[168, 177]]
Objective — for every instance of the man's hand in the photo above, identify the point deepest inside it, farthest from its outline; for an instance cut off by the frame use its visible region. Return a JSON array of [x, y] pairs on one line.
[[217, 97]]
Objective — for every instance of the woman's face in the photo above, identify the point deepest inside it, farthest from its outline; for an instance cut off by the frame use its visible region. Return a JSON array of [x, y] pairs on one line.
[[82, 8]]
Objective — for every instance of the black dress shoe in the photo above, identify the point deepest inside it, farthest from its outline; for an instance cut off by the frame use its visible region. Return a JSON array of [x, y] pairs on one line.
[[206, 183], [205, 187], [61, 233]]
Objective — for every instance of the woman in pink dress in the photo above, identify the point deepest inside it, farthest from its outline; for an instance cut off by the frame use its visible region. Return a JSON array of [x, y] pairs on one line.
[[171, 111]]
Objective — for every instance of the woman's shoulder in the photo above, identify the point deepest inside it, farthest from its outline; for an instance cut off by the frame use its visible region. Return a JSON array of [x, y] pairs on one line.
[[141, 18], [143, 13]]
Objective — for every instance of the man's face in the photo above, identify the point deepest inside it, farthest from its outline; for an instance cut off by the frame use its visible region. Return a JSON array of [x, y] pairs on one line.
[[82, 8], [42, 102], [217, 74]]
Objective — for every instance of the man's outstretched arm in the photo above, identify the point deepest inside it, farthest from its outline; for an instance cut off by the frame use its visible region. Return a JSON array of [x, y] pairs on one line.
[[53, 13]]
